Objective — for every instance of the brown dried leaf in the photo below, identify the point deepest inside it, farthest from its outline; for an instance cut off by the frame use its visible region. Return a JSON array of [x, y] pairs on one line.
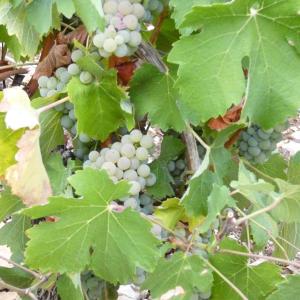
[[58, 56], [80, 34]]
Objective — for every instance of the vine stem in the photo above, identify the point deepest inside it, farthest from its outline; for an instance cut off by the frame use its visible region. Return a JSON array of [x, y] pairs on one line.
[[198, 138], [52, 105], [270, 258], [234, 287], [260, 211], [24, 292], [18, 65], [68, 26], [34, 274]]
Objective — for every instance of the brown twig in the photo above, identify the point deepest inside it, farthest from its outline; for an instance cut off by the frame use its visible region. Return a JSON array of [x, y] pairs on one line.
[[158, 25], [7, 74], [24, 292]]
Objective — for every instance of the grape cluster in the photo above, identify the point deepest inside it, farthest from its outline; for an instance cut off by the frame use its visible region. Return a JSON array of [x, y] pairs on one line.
[[123, 18], [127, 160], [83, 142], [50, 86], [176, 169], [256, 144]]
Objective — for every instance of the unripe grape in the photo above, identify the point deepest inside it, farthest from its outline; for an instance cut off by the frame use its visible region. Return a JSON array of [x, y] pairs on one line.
[[252, 142], [119, 174], [143, 170], [51, 93], [66, 122], [112, 155], [59, 71], [69, 105], [147, 141], [117, 146], [131, 22], [265, 145], [52, 83], [60, 86], [151, 180], [76, 55], [65, 77], [135, 135], [121, 51], [138, 10], [125, 34], [131, 202], [142, 153], [145, 199], [104, 53], [42, 81], [74, 130], [135, 39], [171, 166], [110, 7], [60, 107], [86, 77], [44, 92], [243, 146], [126, 139], [99, 162], [254, 151], [180, 164], [128, 150], [135, 188], [134, 163], [73, 69], [110, 32], [72, 115], [84, 138], [110, 45], [119, 39], [142, 182], [109, 167], [153, 5], [103, 151], [93, 155], [125, 7], [124, 163], [263, 135], [99, 39], [130, 175]]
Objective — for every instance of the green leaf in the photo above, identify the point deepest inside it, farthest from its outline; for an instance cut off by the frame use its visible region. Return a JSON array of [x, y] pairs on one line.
[[8, 204], [39, 15], [91, 63], [170, 212], [171, 148], [264, 31], [293, 173], [58, 173], [8, 148], [97, 106], [180, 270], [120, 241], [288, 289], [218, 199], [17, 24], [91, 13], [152, 93], [256, 282], [195, 198], [16, 277], [11, 42], [167, 36], [12, 234], [69, 287], [66, 7], [289, 239]]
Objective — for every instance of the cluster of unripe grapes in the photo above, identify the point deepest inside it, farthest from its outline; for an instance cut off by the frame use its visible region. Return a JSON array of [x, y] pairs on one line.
[[127, 159], [50, 86], [176, 169], [256, 144], [123, 18], [82, 143]]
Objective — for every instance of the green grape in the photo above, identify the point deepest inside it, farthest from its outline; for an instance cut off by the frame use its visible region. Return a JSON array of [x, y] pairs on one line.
[[252, 142], [263, 135], [76, 55], [66, 122], [254, 151], [84, 138], [73, 69], [265, 145], [86, 77], [243, 146]]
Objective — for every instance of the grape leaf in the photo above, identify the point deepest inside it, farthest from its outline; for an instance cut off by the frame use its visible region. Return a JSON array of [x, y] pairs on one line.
[[66, 7], [69, 287], [17, 24], [16, 277], [152, 92], [8, 148], [120, 241], [90, 12], [170, 212], [39, 15], [171, 148], [293, 173], [58, 173], [195, 198], [288, 289], [179, 272], [97, 106], [8, 204], [218, 199], [291, 240], [256, 282], [11, 42], [12, 234], [264, 31]]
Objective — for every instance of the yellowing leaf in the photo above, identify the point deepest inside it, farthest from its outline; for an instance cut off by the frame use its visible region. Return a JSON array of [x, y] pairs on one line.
[[19, 113], [28, 178]]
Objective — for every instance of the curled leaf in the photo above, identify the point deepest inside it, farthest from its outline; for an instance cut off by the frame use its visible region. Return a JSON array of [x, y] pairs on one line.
[[79, 34]]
